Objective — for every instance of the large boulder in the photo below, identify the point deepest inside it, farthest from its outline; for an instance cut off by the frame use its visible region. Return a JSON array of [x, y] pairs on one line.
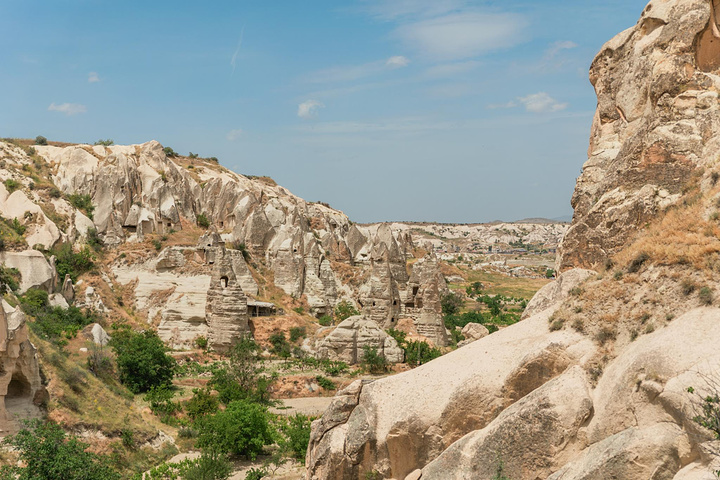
[[347, 342], [35, 271]]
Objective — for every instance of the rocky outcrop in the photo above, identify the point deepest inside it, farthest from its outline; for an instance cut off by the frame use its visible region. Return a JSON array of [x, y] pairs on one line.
[[226, 310], [347, 342], [472, 332], [657, 120], [554, 293], [422, 299], [35, 271], [21, 387]]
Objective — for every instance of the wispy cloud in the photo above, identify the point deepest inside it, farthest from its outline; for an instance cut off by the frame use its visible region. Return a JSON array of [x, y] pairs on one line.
[[462, 35], [309, 109], [452, 69], [233, 60], [541, 102], [93, 77], [67, 108], [397, 61], [349, 73], [558, 47], [233, 135]]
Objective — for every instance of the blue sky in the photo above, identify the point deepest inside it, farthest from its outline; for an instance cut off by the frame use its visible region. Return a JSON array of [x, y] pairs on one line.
[[435, 110]]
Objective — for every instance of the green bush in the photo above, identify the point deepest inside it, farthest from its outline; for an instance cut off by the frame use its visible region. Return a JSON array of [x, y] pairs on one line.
[[142, 360], [451, 303], [11, 185], [53, 323], [244, 377], [93, 239], [242, 429], [69, 262], [203, 221], [105, 143], [418, 353], [40, 140], [295, 436], [160, 399], [9, 279], [334, 368], [345, 310], [48, 453], [325, 321], [169, 152], [256, 474], [17, 226], [325, 383], [242, 248], [706, 296], [638, 262], [280, 345], [202, 403], [372, 361], [82, 202], [201, 342], [296, 333]]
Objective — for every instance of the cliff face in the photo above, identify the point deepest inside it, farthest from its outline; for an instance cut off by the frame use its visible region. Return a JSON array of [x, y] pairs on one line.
[[656, 122], [593, 382]]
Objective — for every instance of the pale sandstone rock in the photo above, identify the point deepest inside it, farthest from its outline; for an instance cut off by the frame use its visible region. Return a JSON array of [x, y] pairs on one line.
[[35, 271], [554, 293], [57, 300], [403, 422], [532, 437], [67, 289], [226, 311], [472, 332], [347, 341]]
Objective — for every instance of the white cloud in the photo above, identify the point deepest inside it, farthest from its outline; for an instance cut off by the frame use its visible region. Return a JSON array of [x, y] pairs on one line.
[[233, 135], [462, 35], [67, 108], [558, 47], [452, 69], [93, 77], [349, 73], [309, 109], [397, 61], [541, 102], [233, 60]]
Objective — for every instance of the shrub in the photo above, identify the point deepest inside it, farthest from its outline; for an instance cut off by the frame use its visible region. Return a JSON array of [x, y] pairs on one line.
[[242, 429], [18, 227], [99, 362], [242, 248], [169, 152], [280, 346], [334, 368], [419, 353], [48, 453], [244, 376], [325, 383], [256, 474], [557, 325], [605, 334], [40, 140], [142, 360], [687, 286], [53, 323], [451, 304], [68, 262], [372, 361], [202, 403], [160, 399], [54, 192], [11, 185], [344, 310], [9, 279], [192, 155], [82, 202], [210, 466], [296, 333], [93, 239], [203, 221], [157, 244], [105, 143], [201, 342], [296, 433], [638, 262], [706, 296], [325, 321]]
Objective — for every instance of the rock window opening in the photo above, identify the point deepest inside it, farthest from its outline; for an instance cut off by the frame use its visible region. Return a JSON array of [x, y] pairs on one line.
[[224, 282], [394, 302], [222, 224], [415, 290]]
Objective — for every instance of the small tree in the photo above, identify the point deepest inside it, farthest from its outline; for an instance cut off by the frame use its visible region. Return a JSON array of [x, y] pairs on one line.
[[372, 361], [142, 360], [40, 140], [48, 453], [242, 429], [203, 221], [451, 304], [344, 310]]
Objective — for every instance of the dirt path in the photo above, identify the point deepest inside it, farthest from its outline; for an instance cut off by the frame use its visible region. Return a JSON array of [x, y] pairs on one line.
[[313, 406]]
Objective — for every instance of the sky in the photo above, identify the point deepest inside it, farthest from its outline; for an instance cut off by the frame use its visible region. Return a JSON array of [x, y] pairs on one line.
[[453, 111]]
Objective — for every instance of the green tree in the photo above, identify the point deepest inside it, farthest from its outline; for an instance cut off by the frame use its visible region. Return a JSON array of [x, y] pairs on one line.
[[40, 140], [48, 453], [142, 360], [295, 436], [242, 429], [244, 377], [372, 361], [451, 303], [69, 262]]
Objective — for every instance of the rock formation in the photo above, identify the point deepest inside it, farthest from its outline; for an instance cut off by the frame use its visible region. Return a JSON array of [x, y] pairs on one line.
[[21, 387], [347, 342], [226, 310]]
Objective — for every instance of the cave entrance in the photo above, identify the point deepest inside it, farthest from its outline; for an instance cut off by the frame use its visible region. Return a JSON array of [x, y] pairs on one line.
[[224, 282], [18, 399]]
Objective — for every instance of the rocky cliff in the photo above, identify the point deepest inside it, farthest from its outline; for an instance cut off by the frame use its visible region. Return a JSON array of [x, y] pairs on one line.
[[592, 384]]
